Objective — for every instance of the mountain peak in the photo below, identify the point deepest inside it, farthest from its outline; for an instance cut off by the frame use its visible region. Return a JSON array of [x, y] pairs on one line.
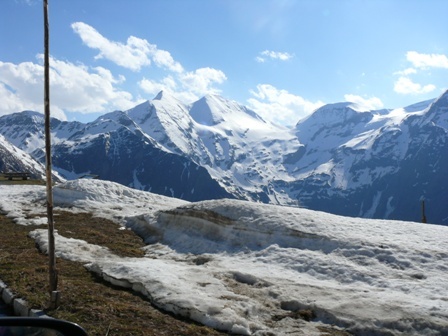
[[443, 97], [159, 96], [214, 109], [165, 95], [437, 111], [337, 113]]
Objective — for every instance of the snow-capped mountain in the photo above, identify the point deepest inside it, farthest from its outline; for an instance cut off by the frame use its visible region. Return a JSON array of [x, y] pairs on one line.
[[341, 159], [377, 164], [236, 146], [13, 159]]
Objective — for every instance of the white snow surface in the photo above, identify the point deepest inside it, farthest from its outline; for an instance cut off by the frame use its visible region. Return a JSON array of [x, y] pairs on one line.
[[247, 267], [22, 156]]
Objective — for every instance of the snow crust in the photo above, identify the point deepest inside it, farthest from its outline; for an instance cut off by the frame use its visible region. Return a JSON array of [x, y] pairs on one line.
[[246, 267]]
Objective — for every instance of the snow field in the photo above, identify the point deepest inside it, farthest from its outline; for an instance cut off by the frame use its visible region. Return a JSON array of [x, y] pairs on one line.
[[247, 268]]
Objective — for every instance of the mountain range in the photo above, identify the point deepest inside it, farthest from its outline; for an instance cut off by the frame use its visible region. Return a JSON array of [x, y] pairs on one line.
[[341, 159]]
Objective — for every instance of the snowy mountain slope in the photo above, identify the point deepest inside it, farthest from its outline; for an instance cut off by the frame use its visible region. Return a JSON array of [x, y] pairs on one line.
[[214, 110], [218, 134], [166, 120], [373, 163], [13, 159], [249, 268], [245, 152], [127, 156], [341, 159], [25, 130]]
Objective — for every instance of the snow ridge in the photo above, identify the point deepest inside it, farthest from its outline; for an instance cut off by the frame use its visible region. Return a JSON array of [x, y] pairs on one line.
[[247, 268]]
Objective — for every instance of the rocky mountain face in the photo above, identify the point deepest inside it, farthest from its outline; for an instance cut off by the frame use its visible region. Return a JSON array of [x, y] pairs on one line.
[[377, 164], [340, 159], [13, 159]]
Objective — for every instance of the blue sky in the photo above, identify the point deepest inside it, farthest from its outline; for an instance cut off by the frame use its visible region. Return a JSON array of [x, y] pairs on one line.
[[282, 58]]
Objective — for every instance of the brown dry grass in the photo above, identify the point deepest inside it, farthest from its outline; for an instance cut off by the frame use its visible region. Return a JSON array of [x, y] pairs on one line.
[[99, 307]]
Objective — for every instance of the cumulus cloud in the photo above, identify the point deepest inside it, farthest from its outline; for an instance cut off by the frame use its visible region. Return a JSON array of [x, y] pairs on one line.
[[189, 86], [421, 63], [74, 88], [133, 55], [276, 55], [154, 87], [405, 85], [201, 81], [163, 59], [368, 104], [427, 60], [10, 101], [137, 53], [280, 106]]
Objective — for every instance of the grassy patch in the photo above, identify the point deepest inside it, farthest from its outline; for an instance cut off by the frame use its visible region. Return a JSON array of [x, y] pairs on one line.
[[100, 308], [99, 231], [4, 180]]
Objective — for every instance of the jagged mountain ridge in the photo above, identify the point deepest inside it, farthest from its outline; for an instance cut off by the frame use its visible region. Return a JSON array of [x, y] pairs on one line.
[[13, 159], [340, 159], [377, 164]]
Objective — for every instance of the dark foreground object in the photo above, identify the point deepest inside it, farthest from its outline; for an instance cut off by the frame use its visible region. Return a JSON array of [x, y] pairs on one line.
[[39, 326]]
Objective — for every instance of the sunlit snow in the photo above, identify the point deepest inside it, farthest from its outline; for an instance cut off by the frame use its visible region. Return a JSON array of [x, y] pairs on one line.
[[245, 267]]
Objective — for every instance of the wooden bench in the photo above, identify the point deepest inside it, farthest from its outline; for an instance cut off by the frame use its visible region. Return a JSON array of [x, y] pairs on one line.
[[17, 175]]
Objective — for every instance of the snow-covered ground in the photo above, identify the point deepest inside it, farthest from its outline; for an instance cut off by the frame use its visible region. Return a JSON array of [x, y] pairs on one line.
[[247, 267]]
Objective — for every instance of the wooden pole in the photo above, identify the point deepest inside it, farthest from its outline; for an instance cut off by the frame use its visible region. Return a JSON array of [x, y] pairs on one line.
[[423, 212], [53, 276]]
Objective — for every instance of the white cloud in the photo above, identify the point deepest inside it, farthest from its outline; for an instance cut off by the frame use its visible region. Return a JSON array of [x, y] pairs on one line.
[[406, 72], [420, 63], [268, 54], [188, 86], [29, 2], [164, 60], [280, 106], [133, 55], [368, 104], [83, 89], [10, 103], [405, 85], [201, 81], [427, 60], [136, 53], [74, 88], [153, 87]]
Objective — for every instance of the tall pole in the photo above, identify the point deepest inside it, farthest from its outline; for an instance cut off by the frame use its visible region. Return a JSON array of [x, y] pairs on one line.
[[54, 295], [423, 212]]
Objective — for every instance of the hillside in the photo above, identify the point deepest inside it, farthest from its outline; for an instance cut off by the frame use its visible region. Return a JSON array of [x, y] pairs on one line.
[[341, 159]]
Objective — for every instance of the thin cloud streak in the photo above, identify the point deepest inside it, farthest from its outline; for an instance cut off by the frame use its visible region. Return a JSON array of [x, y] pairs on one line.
[[274, 55]]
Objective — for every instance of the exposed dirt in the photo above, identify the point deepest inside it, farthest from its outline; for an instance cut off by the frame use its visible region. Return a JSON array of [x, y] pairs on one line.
[[99, 307], [94, 304]]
